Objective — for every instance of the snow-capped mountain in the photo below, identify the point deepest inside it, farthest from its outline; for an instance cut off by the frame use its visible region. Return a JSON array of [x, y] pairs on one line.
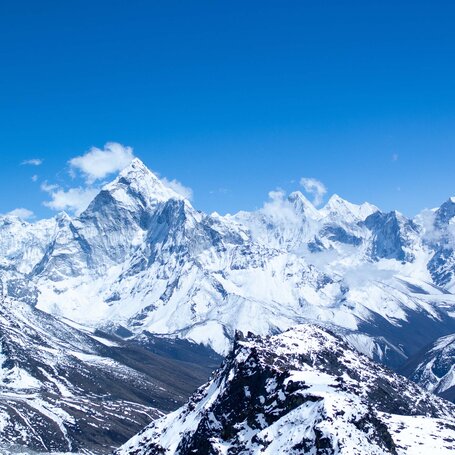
[[65, 388], [143, 257], [442, 240], [434, 367], [302, 391]]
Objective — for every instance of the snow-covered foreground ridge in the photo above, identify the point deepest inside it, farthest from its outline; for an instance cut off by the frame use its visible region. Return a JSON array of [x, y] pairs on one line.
[[303, 391], [142, 257]]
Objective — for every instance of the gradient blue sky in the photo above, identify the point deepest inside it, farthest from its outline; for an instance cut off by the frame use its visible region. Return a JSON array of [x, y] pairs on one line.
[[233, 98]]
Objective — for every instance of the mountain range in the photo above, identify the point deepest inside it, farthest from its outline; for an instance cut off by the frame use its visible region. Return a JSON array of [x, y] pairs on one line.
[[141, 268]]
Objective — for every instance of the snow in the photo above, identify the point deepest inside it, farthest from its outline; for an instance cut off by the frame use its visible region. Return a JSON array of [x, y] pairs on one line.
[[436, 368], [340, 409], [421, 435], [141, 256], [338, 207]]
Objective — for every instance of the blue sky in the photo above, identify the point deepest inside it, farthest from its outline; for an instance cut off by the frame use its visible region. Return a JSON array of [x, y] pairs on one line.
[[233, 99]]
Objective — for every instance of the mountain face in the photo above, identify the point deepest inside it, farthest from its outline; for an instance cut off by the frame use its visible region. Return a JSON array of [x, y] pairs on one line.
[[302, 391], [142, 257], [63, 388], [434, 367], [442, 240]]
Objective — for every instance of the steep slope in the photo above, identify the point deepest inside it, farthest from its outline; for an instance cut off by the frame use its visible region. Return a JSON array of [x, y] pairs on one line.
[[434, 367], [394, 236], [23, 244], [303, 391], [63, 388], [442, 240]]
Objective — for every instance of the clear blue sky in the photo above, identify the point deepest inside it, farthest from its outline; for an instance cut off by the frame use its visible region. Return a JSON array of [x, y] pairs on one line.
[[233, 98]]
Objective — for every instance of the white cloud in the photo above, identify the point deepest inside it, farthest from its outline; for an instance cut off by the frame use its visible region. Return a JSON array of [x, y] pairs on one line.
[[74, 200], [34, 178], [22, 213], [33, 162], [314, 187], [98, 163], [178, 187], [279, 208], [48, 187]]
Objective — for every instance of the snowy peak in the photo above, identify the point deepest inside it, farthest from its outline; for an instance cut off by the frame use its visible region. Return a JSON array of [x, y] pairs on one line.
[[339, 208], [302, 205], [302, 390], [393, 236], [137, 181], [445, 213]]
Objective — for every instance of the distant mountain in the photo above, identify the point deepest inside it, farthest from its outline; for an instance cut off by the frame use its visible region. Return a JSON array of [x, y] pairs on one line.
[[302, 391], [142, 257], [434, 367]]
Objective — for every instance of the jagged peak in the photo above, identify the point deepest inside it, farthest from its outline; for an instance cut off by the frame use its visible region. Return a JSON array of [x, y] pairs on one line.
[[136, 166], [298, 195], [336, 199], [138, 179], [302, 204], [446, 212], [336, 205]]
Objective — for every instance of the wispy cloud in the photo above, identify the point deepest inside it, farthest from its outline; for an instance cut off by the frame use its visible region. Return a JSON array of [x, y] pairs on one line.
[[314, 187], [98, 163], [25, 214], [33, 162], [178, 187], [278, 207], [94, 166], [74, 200], [34, 178], [221, 190]]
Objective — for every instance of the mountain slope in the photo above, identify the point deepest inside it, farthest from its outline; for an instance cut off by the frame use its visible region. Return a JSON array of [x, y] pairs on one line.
[[303, 391], [67, 389], [434, 367]]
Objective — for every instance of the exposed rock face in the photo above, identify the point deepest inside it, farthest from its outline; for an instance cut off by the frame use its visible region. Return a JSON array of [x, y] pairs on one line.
[[393, 236], [434, 367], [304, 391]]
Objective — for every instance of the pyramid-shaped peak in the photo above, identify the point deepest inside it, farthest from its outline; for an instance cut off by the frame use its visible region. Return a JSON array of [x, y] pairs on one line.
[[137, 168], [135, 186]]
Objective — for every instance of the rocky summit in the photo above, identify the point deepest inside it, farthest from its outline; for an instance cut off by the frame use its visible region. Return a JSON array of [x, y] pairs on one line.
[[302, 392]]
